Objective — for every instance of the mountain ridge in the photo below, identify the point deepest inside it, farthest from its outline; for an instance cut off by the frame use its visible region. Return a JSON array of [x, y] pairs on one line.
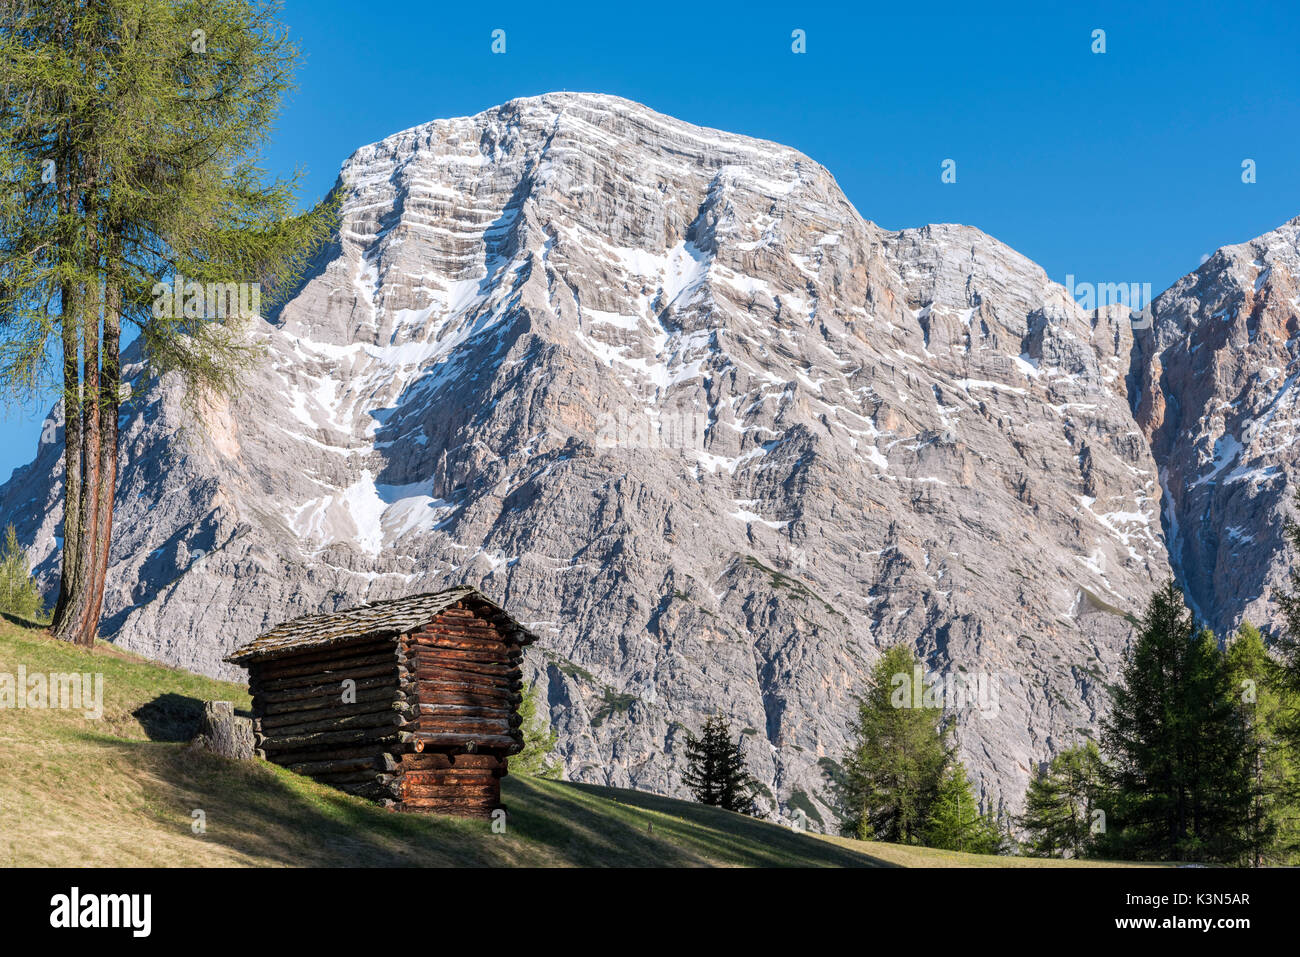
[[667, 396]]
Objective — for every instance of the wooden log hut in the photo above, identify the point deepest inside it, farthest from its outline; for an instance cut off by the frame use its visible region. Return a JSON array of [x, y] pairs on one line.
[[413, 702]]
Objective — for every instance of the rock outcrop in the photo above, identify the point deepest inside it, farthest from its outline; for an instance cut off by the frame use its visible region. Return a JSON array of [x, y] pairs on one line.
[[1214, 392], [224, 733]]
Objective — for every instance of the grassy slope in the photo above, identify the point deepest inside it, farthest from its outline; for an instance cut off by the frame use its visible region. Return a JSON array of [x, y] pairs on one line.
[[116, 791]]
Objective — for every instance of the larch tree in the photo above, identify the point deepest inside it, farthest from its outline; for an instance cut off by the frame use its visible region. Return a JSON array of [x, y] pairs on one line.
[[535, 759], [898, 756], [1273, 828], [129, 136], [18, 592], [955, 822]]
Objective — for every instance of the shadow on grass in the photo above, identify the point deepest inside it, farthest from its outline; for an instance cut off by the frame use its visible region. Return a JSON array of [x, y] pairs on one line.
[[581, 830], [264, 812], [269, 816], [23, 622], [170, 717], [579, 819]]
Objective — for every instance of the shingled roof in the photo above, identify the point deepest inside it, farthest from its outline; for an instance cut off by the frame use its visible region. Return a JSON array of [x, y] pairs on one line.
[[378, 619]]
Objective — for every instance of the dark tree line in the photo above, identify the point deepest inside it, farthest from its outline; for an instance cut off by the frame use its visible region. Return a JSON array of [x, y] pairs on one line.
[[1198, 758]]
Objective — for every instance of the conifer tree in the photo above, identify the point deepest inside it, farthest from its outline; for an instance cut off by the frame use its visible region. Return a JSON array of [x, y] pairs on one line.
[[955, 823], [19, 595], [129, 134], [1273, 825], [1059, 804], [716, 772], [539, 740], [1176, 743], [897, 758]]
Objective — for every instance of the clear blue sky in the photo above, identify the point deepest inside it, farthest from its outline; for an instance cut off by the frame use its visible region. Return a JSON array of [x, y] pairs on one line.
[[1115, 167]]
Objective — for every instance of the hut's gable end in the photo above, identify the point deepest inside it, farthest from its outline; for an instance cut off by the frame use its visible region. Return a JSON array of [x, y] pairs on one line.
[[468, 683]]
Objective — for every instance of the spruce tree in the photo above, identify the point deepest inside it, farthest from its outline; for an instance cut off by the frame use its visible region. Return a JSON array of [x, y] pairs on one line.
[[1176, 743], [897, 758], [1060, 801], [716, 772]]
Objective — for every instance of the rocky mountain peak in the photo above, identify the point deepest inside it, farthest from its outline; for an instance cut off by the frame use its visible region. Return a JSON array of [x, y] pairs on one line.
[[1216, 373], [666, 396]]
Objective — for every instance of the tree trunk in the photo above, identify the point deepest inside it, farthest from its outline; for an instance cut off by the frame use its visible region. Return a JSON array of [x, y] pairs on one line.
[[109, 407], [109, 403], [225, 733], [63, 624], [73, 625], [90, 469], [70, 558]]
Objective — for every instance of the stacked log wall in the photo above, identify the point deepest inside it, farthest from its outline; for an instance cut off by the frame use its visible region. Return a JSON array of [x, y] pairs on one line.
[[302, 721]]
